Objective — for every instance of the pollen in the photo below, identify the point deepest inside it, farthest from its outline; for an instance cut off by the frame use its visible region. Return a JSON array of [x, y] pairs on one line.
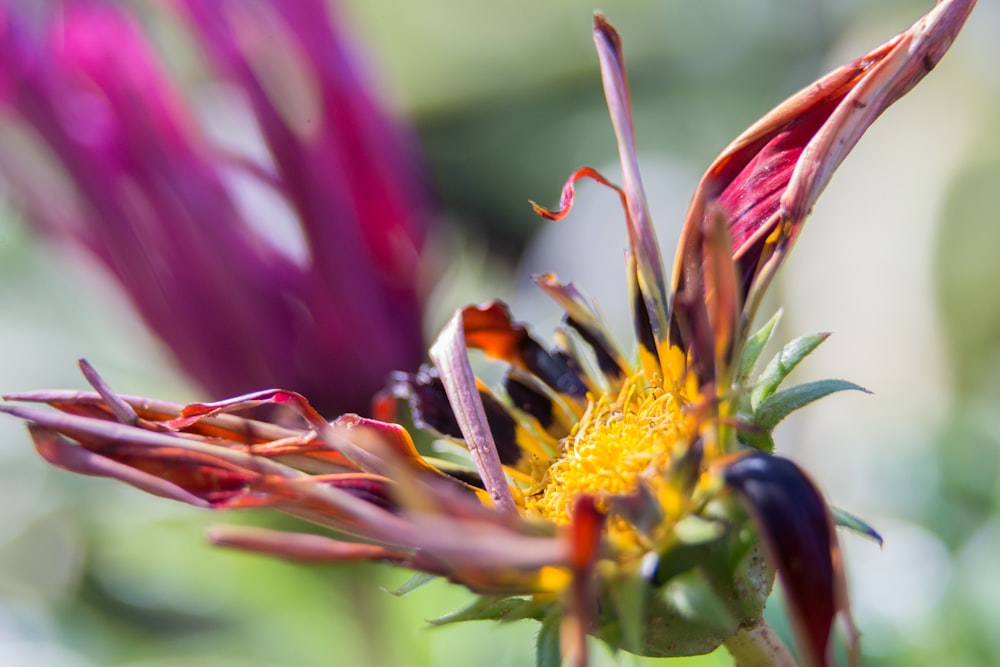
[[621, 441]]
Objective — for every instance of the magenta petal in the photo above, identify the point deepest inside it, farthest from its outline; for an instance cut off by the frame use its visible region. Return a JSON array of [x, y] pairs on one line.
[[768, 179], [151, 195], [797, 533]]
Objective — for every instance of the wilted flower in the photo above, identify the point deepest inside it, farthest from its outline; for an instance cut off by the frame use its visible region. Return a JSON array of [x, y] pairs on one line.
[[242, 298], [638, 502]]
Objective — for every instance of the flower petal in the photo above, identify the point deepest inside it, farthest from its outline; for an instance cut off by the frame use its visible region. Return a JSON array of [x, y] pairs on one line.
[[707, 302], [648, 272], [491, 329], [96, 433], [63, 453], [797, 533], [767, 180], [430, 410], [451, 357], [586, 322], [299, 546]]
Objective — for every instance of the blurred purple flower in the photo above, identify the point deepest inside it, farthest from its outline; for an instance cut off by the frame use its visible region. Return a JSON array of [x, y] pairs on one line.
[[326, 304]]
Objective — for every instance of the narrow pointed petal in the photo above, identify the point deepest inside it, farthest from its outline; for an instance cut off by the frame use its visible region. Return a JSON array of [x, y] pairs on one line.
[[360, 457], [642, 237], [301, 547], [96, 433], [642, 320], [796, 531], [62, 453], [153, 412], [451, 357], [707, 302], [123, 412], [585, 321], [769, 178], [431, 410], [194, 412], [491, 329]]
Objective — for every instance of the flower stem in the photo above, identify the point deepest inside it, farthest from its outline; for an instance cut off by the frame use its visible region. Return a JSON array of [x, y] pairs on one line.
[[759, 646]]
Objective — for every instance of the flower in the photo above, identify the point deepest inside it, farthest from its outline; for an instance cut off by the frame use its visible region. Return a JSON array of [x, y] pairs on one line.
[[639, 502], [241, 298]]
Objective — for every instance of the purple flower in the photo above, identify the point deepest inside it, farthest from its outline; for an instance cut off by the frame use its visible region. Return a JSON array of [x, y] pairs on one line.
[[326, 302], [637, 500]]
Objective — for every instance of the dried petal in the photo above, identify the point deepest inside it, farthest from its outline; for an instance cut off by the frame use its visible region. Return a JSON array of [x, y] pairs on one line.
[[796, 531]]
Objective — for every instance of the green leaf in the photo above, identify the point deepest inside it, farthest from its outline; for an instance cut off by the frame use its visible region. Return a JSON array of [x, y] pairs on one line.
[[781, 365], [860, 526], [492, 608], [783, 403], [754, 346], [418, 580], [547, 647]]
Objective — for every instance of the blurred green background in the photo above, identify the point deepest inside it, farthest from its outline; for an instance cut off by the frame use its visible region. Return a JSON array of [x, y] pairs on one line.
[[901, 259]]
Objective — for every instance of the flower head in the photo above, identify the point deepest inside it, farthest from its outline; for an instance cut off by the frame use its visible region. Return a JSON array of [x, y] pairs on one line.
[[636, 501], [290, 262]]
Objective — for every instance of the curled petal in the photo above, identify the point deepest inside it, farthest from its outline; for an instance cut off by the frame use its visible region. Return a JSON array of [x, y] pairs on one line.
[[767, 180], [568, 195], [797, 533], [362, 458], [194, 412]]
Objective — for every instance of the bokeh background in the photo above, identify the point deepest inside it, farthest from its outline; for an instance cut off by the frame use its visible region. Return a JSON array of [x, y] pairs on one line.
[[901, 260]]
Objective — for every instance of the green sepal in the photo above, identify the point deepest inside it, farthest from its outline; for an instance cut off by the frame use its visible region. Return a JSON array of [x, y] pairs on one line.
[[495, 608], [693, 596], [847, 520], [418, 580], [696, 601], [779, 405], [781, 365], [754, 346], [547, 650], [758, 438]]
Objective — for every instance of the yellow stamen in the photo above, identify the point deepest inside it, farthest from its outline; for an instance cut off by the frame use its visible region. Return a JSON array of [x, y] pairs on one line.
[[619, 442]]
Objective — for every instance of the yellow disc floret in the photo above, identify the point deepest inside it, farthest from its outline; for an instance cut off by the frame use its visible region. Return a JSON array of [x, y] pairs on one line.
[[620, 442]]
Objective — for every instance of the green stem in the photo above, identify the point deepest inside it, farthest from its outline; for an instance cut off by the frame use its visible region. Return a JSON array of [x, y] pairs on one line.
[[759, 646]]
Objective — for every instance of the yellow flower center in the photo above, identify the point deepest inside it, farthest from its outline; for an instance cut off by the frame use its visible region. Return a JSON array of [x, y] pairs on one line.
[[620, 442]]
